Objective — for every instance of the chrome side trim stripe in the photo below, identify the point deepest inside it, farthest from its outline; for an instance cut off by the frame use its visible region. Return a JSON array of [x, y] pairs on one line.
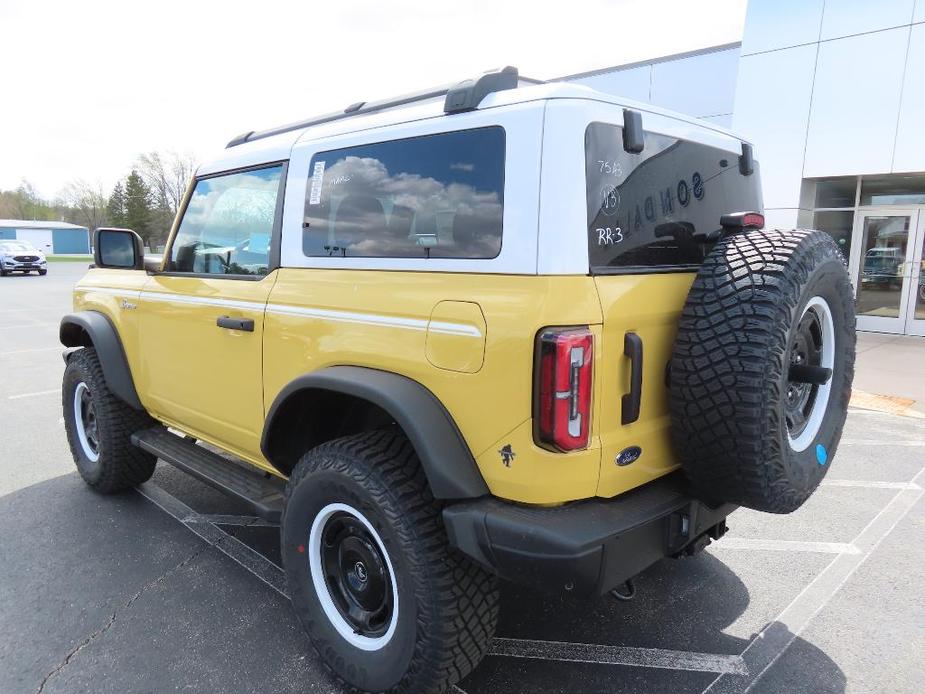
[[375, 319], [111, 291], [202, 301], [418, 324]]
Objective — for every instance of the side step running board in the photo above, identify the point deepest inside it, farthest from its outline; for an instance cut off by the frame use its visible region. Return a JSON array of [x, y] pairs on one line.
[[263, 495]]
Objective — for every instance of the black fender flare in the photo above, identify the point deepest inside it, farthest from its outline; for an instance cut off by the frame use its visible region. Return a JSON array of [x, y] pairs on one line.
[[94, 329], [448, 463]]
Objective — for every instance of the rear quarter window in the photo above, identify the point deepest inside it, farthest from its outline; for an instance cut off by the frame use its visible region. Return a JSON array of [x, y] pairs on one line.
[[646, 210], [436, 196]]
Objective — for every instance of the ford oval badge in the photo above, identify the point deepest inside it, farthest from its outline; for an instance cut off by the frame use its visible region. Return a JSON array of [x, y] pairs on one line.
[[628, 456]]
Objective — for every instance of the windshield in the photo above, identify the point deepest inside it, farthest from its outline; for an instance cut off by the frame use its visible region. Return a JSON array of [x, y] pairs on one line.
[[15, 246]]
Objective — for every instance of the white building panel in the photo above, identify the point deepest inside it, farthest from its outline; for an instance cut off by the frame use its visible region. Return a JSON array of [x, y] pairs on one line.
[[849, 17], [680, 84], [40, 238], [772, 110], [774, 24], [783, 218], [855, 106], [910, 136], [632, 83], [724, 121]]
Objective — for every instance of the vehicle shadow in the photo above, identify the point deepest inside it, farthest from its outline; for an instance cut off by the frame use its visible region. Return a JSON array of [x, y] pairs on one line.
[[122, 575], [695, 605]]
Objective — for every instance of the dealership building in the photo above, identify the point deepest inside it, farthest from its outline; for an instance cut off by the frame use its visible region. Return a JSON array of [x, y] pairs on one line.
[[832, 94], [50, 237]]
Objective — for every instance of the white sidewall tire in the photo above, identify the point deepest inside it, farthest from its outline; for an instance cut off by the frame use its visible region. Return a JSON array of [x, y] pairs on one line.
[[820, 405], [333, 615]]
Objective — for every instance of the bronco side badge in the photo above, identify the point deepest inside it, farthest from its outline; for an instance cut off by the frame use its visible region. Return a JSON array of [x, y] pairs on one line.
[[507, 455], [628, 456]]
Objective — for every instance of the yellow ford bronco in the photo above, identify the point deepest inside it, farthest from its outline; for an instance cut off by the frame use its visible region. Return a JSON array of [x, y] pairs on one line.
[[500, 329]]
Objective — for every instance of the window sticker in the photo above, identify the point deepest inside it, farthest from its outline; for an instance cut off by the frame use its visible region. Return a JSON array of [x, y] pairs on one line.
[[314, 197]]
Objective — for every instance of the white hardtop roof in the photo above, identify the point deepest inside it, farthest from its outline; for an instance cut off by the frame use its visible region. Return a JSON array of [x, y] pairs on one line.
[[278, 147], [31, 224]]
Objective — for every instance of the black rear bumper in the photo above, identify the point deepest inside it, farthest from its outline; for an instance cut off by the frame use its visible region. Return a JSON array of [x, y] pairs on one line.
[[585, 547]]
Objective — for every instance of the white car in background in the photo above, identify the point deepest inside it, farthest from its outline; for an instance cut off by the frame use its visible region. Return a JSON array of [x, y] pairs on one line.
[[21, 256]]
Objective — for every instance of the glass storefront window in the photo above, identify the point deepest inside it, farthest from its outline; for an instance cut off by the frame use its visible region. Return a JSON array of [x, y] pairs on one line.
[[839, 225], [836, 192], [893, 190]]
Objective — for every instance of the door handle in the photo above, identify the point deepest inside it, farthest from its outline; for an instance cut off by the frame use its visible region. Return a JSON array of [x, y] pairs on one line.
[[632, 401], [243, 324]]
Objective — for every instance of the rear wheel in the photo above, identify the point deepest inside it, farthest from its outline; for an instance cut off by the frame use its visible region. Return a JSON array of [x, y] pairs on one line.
[[762, 368], [387, 604], [99, 427]]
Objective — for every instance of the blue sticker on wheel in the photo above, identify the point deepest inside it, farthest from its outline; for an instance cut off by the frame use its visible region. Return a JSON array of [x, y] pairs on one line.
[[822, 455]]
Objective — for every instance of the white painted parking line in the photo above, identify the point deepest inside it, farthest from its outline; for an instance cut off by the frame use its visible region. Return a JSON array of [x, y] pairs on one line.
[[32, 308], [784, 545], [879, 442], [35, 394], [870, 484], [764, 650], [14, 352], [254, 562], [20, 326], [618, 655]]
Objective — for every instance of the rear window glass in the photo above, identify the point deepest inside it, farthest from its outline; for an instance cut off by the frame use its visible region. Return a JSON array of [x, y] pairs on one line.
[[437, 196], [646, 210]]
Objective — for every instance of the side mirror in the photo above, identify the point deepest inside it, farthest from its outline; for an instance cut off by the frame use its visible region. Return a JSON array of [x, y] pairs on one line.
[[118, 248]]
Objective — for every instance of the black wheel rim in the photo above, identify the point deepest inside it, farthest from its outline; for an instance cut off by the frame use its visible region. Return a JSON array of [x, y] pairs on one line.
[[356, 575], [805, 350]]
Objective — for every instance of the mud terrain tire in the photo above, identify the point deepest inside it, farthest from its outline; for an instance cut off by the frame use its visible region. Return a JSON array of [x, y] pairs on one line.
[[106, 458], [363, 502], [766, 311]]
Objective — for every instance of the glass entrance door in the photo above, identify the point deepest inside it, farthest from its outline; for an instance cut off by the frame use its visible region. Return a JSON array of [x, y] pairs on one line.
[[883, 267], [915, 315]]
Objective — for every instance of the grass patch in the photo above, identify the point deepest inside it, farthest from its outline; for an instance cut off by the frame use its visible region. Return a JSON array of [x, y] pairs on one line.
[[69, 258]]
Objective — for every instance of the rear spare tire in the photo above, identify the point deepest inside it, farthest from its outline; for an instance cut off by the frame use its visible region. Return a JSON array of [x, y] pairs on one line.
[[762, 367]]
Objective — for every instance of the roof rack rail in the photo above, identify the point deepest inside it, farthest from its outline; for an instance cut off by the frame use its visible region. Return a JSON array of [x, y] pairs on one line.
[[467, 95], [464, 96]]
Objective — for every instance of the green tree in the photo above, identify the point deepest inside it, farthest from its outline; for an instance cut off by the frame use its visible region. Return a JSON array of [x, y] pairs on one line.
[[25, 203], [83, 203], [138, 205], [115, 208]]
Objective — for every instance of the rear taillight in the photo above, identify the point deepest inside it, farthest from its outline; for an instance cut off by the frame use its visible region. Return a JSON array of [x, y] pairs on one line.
[[562, 395]]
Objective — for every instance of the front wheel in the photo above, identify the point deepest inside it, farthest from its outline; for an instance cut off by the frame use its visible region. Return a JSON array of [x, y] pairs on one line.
[[43, 272], [99, 427], [386, 602]]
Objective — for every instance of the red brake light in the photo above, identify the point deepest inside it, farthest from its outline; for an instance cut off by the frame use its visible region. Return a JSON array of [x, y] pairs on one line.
[[753, 221], [562, 396], [737, 221]]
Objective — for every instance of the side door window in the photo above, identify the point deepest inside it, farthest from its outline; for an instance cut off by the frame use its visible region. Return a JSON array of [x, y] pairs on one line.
[[228, 223]]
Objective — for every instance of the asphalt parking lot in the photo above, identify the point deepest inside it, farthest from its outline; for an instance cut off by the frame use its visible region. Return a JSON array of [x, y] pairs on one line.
[[171, 588]]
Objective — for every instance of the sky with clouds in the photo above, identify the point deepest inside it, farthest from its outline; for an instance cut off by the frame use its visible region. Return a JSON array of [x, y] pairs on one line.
[[89, 85]]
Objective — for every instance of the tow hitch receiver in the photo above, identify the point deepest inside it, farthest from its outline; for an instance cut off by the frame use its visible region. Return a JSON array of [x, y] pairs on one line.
[[681, 528]]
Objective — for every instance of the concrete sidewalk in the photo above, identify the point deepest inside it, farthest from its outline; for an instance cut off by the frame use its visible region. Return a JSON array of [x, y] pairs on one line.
[[892, 366]]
